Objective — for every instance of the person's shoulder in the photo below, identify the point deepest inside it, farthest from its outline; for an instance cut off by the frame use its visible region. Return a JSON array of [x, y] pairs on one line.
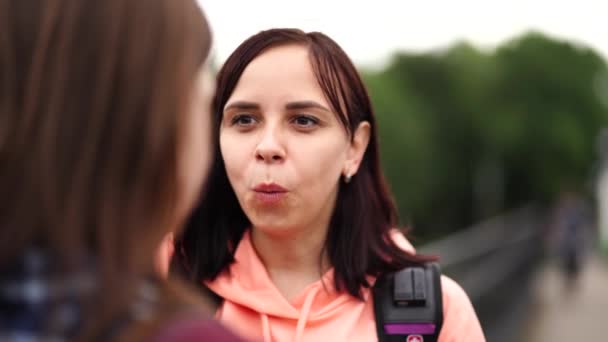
[[193, 329], [453, 292], [460, 322]]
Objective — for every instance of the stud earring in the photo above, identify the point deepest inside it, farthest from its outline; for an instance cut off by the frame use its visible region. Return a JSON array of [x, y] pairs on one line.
[[347, 178]]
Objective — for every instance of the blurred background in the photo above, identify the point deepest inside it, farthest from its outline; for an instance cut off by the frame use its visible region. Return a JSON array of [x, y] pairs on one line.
[[493, 122]]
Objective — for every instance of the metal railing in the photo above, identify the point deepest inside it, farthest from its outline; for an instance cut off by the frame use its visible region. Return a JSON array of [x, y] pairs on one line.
[[493, 262]]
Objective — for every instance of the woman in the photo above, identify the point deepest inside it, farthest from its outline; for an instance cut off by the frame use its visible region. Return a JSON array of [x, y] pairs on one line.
[[298, 221], [104, 146]]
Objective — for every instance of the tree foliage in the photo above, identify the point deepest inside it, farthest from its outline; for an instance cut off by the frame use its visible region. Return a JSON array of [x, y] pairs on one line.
[[467, 134]]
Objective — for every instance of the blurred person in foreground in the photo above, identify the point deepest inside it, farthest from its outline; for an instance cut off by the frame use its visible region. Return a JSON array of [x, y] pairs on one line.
[[298, 221], [104, 147]]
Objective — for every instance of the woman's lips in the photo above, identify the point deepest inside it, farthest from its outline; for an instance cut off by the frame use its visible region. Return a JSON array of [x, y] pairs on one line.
[[269, 193]]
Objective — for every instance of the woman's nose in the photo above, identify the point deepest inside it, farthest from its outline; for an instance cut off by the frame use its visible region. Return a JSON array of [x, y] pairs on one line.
[[269, 149]]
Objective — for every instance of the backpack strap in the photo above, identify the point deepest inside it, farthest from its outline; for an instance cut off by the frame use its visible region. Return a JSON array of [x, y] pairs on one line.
[[408, 304]]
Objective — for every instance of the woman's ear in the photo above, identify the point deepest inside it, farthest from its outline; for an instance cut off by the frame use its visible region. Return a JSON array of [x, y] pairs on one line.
[[357, 148]]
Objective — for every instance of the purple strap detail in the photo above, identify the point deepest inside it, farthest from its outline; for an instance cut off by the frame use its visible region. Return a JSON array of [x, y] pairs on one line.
[[406, 329]]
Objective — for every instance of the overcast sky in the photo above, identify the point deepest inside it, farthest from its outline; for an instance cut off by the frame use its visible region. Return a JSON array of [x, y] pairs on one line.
[[370, 31]]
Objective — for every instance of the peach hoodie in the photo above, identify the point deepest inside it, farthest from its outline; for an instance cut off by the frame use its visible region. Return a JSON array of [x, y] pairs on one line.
[[256, 310]]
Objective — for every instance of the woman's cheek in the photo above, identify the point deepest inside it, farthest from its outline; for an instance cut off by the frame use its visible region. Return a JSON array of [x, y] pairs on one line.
[[163, 255]]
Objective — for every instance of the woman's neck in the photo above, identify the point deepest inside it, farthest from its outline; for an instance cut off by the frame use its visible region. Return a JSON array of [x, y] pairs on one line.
[[293, 261]]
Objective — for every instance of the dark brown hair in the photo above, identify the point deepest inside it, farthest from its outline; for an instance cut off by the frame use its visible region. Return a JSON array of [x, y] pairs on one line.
[[93, 100], [358, 242]]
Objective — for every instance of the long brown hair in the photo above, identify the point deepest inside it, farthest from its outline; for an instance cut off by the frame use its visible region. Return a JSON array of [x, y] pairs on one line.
[[358, 242], [93, 100]]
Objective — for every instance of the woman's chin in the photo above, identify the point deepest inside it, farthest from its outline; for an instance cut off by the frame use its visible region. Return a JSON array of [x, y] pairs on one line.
[[272, 228]]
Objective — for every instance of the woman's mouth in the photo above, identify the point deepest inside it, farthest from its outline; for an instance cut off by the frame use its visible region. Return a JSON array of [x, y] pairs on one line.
[[269, 193]]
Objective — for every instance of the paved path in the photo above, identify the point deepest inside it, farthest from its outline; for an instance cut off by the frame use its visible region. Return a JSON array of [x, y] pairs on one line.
[[576, 314]]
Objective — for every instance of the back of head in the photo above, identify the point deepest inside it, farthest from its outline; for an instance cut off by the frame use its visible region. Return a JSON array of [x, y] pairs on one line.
[[93, 98]]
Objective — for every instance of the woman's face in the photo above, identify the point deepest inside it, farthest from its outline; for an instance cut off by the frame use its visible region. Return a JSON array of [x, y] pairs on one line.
[[194, 161], [195, 156], [282, 144]]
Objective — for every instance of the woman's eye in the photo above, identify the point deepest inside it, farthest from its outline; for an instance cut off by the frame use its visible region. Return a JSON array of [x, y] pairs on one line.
[[305, 121], [243, 120]]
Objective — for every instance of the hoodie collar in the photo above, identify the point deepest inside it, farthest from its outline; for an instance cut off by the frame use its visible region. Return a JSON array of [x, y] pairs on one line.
[[247, 282]]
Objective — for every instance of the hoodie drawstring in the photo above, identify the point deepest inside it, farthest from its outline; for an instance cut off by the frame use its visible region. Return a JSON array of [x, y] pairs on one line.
[[303, 319], [265, 328]]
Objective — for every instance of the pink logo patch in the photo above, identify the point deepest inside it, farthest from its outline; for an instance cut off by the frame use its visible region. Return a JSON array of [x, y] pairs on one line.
[[415, 338]]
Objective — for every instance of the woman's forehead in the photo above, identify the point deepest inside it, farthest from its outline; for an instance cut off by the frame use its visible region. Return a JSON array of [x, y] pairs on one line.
[[281, 74]]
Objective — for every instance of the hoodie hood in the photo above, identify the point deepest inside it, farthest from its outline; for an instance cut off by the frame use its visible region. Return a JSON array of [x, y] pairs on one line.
[[248, 292]]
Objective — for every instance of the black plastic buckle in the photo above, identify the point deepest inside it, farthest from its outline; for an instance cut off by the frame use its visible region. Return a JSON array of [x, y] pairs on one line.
[[410, 287]]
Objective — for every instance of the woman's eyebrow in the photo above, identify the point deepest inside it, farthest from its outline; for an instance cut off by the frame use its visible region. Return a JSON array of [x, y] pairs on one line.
[[242, 105], [305, 105]]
